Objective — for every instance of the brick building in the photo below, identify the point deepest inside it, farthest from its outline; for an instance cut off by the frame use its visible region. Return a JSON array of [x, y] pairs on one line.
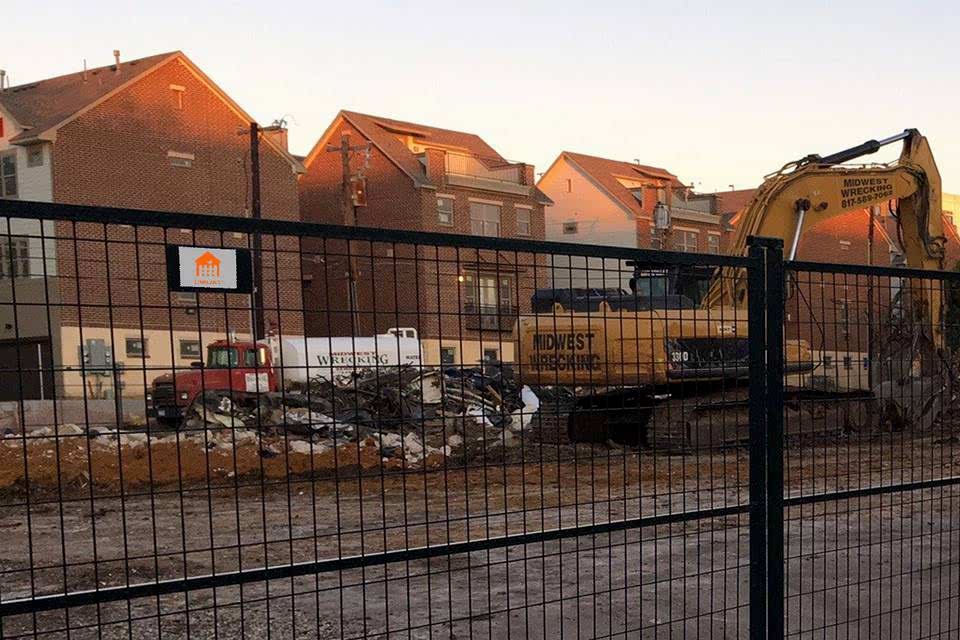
[[154, 133], [420, 178], [598, 201]]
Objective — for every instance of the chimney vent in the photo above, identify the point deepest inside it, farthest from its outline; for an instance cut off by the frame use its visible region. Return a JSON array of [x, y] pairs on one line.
[[84, 69], [3, 78], [116, 60]]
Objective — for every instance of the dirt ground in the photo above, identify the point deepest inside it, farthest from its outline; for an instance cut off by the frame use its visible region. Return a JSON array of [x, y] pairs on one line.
[[880, 567]]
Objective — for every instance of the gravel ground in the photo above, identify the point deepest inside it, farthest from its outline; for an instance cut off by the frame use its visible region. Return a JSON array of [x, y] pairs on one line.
[[880, 567]]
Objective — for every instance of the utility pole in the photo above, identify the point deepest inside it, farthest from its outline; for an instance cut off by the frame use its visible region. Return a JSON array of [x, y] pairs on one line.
[[350, 217], [257, 318]]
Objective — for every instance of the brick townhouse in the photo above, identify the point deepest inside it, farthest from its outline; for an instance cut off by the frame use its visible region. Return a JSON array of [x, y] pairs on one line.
[[154, 133], [833, 312], [598, 201], [421, 178]]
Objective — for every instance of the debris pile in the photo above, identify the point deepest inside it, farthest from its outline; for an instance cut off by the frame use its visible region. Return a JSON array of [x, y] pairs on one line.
[[409, 415], [404, 419]]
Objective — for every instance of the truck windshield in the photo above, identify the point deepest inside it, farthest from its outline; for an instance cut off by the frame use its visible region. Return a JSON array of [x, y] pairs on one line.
[[222, 357]]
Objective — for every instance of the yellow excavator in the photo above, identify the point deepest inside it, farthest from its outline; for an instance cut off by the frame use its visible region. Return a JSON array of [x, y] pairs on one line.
[[673, 377]]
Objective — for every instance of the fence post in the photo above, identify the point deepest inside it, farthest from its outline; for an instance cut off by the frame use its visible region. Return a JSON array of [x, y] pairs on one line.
[[765, 290], [757, 336], [776, 595]]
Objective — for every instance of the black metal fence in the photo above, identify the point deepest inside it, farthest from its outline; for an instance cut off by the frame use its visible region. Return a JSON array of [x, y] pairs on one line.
[[460, 436]]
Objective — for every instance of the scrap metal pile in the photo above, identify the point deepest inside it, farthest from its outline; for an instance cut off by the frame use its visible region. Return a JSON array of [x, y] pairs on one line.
[[409, 415]]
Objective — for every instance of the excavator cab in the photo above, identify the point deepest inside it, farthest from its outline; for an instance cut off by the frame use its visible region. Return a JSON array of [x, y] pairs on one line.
[[670, 286]]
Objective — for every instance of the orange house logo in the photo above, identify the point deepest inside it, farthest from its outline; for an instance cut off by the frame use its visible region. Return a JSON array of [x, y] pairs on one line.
[[209, 268], [207, 265]]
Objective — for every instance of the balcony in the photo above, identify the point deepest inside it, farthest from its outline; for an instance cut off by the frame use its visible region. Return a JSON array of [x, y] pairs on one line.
[[488, 317], [486, 174]]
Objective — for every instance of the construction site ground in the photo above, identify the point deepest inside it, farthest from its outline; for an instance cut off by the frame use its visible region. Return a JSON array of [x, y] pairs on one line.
[[845, 559]]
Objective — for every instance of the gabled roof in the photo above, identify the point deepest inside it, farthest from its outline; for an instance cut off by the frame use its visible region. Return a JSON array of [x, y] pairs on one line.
[[384, 134], [604, 173], [42, 107]]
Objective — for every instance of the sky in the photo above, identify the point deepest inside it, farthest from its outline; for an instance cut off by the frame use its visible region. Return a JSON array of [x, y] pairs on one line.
[[719, 93]]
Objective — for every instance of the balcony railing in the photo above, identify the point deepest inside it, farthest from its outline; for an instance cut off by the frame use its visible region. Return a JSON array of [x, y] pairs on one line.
[[489, 317], [496, 175]]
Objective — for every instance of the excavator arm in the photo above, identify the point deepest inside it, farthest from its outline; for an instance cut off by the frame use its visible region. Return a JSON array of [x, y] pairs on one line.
[[810, 191]]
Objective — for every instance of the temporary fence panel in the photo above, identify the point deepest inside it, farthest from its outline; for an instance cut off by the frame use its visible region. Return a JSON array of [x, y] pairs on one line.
[[266, 428]]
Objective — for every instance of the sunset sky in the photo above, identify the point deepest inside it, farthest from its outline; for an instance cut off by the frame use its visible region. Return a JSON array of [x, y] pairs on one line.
[[718, 93]]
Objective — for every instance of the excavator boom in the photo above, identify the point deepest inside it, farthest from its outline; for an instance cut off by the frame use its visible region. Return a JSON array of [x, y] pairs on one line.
[[632, 356]]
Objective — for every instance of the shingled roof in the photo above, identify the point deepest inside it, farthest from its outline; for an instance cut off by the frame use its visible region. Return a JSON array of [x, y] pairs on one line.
[[45, 104], [383, 132], [730, 202], [604, 172]]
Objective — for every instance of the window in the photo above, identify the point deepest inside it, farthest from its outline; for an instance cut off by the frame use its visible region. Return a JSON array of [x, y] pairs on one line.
[[569, 185], [827, 360], [844, 245], [221, 358], [487, 293], [190, 349], [185, 297], [255, 357], [523, 222], [1, 127], [8, 175], [178, 92], [35, 156], [847, 362], [448, 355], [445, 211], [14, 257], [638, 194], [136, 347], [178, 159], [686, 241], [491, 355], [569, 228], [485, 219], [713, 244]]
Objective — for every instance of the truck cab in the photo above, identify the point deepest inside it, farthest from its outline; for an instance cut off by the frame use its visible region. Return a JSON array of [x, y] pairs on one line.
[[234, 369]]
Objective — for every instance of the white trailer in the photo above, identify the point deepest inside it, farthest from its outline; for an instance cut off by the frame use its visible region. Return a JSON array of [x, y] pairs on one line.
[[298, 359]]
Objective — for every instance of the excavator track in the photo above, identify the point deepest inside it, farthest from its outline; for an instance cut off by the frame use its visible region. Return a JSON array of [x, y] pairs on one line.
[[716, 420]]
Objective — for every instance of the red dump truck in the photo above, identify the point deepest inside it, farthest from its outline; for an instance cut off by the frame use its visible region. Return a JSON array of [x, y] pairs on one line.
[[241, 370], [236, 368]]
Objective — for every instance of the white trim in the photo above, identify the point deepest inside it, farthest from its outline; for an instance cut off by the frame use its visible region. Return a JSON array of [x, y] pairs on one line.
[[528, 207], [498, 203], [714, 233], [179, 154], [447, 195], [178, 87], [687, 229]]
